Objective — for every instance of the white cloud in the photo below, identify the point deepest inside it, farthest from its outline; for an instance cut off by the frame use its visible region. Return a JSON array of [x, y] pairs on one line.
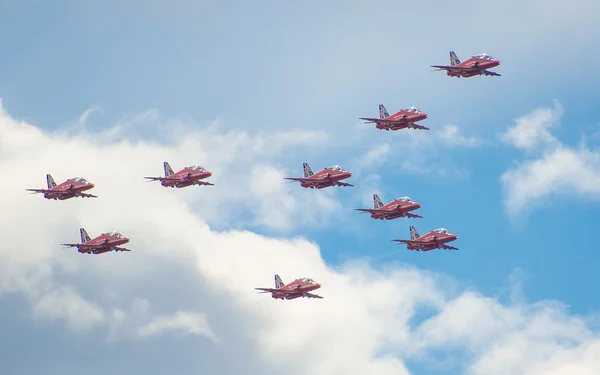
[[450, 135], [435, 168], [426, 152], [376, 155], [241, 182], [413, 151], [559, 172], [190, 323], [533, 130], [530, 339], [556, 170], [183, 273], [70, 306]]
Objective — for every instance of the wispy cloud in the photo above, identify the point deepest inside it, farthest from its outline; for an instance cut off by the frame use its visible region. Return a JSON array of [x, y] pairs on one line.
[[450, 135], [188, 323], [378, 154]]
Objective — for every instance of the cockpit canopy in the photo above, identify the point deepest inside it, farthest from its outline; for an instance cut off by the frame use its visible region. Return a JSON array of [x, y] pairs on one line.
[[113, 234], [404, 199], [335, 168], [412, 110], [305, 280], [196, 168], [79, 179], [441, 231], [484, 56]]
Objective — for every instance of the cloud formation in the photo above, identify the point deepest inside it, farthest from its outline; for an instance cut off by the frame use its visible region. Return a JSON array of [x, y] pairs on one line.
[[553, 169], [189, 273], [189, 323], [450, 135], [533, 130]]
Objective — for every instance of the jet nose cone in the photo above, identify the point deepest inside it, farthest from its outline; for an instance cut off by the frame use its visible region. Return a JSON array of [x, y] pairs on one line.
[[317, 285]]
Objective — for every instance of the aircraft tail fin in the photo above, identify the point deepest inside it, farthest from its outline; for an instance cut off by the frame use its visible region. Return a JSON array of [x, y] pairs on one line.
[[413, 233], [278, 282], [84, 236], [307, 171], [377, 201], [168, 169], [383, 113], [50, 182], [454, 59]]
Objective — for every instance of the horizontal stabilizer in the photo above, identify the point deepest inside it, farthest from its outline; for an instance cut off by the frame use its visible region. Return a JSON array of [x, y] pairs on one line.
[[206, 183], [86, 195], [120, 249], [310, 295]]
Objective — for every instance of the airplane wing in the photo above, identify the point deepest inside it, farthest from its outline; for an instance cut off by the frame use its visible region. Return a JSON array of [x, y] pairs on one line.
[[83, 245], [296, 179], [417, 243], [278, 291], [383, 121], [457, 68], [269, 290], [372, 210], [367, 210], [162, 179], [410, 242], [204, 183], [310, 295], [43, 191], [308, 180], [35, 191], [60, 192], [441, 67], [317, 181], [71, 244], [368, 119]]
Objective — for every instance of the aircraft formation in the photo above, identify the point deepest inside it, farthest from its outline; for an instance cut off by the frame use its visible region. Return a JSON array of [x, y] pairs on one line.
[[334, 175]]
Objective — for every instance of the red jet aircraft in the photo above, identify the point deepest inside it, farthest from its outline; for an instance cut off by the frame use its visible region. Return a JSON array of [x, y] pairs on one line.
[[73, 187], [475, 66], [436, 239], [330, 176], [103, 243], [186, 177], [297, 288], [403, 119], [393, 210]]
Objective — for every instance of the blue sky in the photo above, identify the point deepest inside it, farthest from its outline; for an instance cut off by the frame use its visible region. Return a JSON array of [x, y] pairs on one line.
[[279, 66]]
